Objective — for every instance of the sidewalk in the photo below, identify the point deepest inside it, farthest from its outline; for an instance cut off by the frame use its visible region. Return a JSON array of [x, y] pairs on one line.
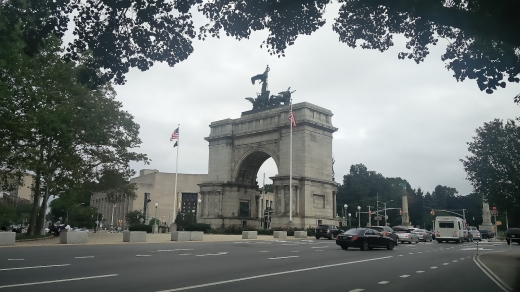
[[117, 238], [505, 265]]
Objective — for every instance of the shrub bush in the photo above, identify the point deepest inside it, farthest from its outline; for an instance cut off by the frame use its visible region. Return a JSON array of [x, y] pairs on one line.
[[198, 227], [265, 232], [141, 227]]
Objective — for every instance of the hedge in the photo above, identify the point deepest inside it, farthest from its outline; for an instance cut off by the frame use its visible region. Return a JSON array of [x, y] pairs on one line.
[[141, 227], [198, 227]]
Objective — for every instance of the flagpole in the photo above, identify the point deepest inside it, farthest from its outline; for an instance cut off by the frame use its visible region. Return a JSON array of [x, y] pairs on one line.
[[176, 171], [290, 165]]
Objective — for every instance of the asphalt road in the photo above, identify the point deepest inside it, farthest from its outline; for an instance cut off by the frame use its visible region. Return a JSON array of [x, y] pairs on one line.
[[299, 265]]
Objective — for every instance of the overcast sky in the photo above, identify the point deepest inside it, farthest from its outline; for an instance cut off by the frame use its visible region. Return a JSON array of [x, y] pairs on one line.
[[396, 117]]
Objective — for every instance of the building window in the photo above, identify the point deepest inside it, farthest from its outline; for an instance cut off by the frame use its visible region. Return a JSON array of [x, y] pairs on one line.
[[244, 209], [189, 203]]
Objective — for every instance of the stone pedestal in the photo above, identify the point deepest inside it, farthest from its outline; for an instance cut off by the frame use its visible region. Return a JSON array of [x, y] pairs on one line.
[[300, 234], [181, 236], [173, 227], [406, 216], [7, 238], [280, 234], [155, 228], [196, 236], [486, 218], [249, 234], [71, 237], [134, 236]]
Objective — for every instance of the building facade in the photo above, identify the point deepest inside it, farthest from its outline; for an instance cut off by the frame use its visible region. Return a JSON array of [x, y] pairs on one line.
[[153, 187]]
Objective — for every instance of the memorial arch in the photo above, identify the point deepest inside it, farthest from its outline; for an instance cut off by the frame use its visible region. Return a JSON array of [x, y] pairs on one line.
[[239, 147]]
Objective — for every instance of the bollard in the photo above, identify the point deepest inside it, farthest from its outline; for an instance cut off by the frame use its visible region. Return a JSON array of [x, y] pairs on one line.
[[477, 247]]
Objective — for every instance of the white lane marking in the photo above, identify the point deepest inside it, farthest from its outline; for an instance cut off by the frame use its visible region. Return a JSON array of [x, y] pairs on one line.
[[400, 255], [289, 244], [420, 272], [356, 290], [319, 246], [455, 261], [85, 257], [462, 259], [445, 264], [434, 267], [319, 250], [383, 282], [35, 267], [15, 259], [474, 248], [185, 254], [420, 252], [143, 255], [410, 253], [200, 255], [404, 276], [294, 251], [263, 251], [279, 258], [58, 281], [491, 275], [274, 274]]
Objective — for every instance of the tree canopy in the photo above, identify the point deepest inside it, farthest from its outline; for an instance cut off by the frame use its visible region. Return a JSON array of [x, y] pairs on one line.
[[493, 166], [121, 34]]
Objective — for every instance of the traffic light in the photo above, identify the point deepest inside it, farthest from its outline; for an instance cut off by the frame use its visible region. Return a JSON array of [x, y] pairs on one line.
[[432, 213]]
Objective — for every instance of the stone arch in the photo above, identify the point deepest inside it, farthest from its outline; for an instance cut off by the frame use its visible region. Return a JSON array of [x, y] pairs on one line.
[[249, 165]]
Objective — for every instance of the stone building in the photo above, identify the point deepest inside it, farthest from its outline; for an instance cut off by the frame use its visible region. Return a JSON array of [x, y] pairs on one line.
[[160, 186], [23, 191]]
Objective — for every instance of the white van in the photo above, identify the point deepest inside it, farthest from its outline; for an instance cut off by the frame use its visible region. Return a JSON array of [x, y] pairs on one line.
[[449, 229]]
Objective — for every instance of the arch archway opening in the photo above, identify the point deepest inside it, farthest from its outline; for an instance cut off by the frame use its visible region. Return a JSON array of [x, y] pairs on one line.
[[253, 167]]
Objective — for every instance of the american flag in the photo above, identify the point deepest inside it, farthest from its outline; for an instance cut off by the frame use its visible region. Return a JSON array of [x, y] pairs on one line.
[[175, 135], [291, 118]]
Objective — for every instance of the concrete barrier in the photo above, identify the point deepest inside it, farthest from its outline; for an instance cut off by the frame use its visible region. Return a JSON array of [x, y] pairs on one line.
[[280, 234], [72, 237], [249, 234], [300, 234], [134, 236], [196, 236], [7, 238], [181, 236]]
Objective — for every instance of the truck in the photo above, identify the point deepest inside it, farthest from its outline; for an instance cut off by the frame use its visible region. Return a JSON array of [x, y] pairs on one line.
[[449, 228]]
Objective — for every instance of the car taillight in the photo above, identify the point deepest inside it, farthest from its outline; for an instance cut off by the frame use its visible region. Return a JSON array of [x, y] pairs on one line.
[[407, 235], [355, 237], [384, 233], [328, 231]]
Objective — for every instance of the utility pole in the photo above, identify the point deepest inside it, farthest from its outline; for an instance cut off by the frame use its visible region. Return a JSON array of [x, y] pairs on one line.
[[377, 207], [369, 216]]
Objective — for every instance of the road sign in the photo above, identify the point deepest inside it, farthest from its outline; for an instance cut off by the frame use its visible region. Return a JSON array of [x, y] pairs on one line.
[[378, 218], [493, 212], [498, 223]]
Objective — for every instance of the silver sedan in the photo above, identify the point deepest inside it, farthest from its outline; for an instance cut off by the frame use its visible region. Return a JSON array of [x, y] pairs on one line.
[[407, 236], [476, 235]]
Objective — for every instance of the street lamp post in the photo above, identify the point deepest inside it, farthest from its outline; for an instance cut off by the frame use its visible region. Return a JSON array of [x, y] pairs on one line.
[[345, 211], [359, 216], [199, 201], [349, 219], [385, 211], [155, 219]]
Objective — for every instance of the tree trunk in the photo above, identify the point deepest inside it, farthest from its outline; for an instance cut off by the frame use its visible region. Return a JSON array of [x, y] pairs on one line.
[[36, 204], [43, 209]]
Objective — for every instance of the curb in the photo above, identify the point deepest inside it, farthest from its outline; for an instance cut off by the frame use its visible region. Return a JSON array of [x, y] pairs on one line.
[[34, 239], [490, 274]]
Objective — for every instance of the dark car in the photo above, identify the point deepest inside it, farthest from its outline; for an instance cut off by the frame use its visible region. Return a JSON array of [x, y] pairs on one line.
[[387, 231], [364, 238], [513, 235], [487, 234], [468, 236], [327, 231]]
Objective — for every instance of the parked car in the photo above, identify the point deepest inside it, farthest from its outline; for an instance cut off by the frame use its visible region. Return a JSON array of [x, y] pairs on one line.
[[513, 235], [407, 236], [423, 235], [476, 235], [327, 231], [468, 236], [364, 238], [487, 234], [387, 231]]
